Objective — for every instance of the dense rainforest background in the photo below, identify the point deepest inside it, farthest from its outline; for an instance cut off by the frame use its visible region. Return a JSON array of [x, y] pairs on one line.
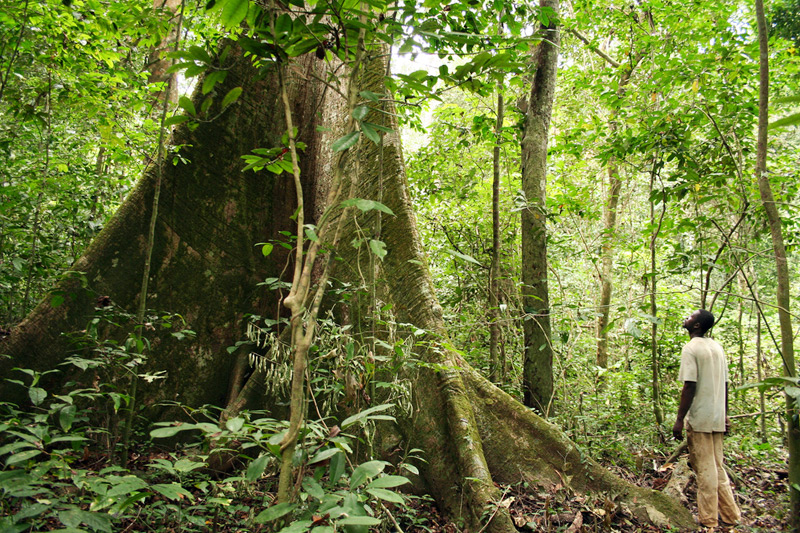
[[325, 265]]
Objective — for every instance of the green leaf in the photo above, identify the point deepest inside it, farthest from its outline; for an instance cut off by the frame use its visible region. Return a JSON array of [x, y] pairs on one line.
[[378, 248], [791, 120], [175, 119], [234, 12], [22, 456], [274, 512], [388, 482], [37, 395], [366, 470], [126, 485], [324, 454], [336, 467], [257, 467], [267, 249], [14, 446], [187, 104], [465, 257], [367, 205], [369, 95], [67, 416], [359, 521], [343, 143], [360, 112], [313, 488], [235, 424], [370, 132], [231, 97], [212, 78], [387, 495], [170, 431], [365, 414], [172, 491]]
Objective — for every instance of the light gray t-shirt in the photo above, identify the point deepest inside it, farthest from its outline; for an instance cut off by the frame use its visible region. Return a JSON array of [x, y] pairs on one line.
[[703, 361]]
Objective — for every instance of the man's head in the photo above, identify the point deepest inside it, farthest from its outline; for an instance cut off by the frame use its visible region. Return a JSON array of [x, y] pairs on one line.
[[699, 322]]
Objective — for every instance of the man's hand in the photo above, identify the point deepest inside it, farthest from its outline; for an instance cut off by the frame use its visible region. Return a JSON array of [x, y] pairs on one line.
[[677, 429], [727, 425]]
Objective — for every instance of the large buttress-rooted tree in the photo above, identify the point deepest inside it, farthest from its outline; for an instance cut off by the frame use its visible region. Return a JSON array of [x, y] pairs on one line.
[[537, 369], [473, 435]]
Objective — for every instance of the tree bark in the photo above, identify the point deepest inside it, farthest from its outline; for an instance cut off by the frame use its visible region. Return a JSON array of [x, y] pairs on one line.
[[205, 265], [537, 370], [781, 264]]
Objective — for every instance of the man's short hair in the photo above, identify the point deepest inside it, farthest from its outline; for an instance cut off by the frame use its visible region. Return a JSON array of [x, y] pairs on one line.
[[705, 319]]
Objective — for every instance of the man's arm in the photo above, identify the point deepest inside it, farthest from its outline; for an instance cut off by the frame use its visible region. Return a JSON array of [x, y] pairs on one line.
[[727, 420], [687, 397]]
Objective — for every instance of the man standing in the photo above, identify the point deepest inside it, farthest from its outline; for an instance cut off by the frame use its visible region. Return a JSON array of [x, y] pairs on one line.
[[704, 410]]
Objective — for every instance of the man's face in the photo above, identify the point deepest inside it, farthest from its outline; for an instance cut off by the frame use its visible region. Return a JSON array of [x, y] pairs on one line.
[[690, 321]]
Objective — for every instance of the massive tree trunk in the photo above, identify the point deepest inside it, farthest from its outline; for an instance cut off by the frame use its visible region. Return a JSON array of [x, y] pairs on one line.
[[537, 372], [472, 433], [205, 265]]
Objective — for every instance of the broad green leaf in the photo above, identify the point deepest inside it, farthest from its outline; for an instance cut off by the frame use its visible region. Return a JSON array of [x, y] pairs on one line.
[[37, 395], [365, 414], [312, 487], [369, 95], [299, 526], [388, 482], [370, 132], [21, 456], [231, 97], [172, 491], [336, 467], [359, 521], [791, 120], [367, 205], [378, 248], [14, 446], [125, 485], [187, 104], [360, 112], [257, 467], [343, 143], [212, 78], [387, 495], [171, 431], [175, 119], [234, 12], [235, 424], [324, 454], [366, 470], [276, 511], [67, 416], [267, 249]]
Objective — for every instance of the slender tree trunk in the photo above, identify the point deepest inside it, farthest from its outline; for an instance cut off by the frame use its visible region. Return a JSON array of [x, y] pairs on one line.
[[609, 232], [607, 253], [538, 355], [496, 363], [781, 264], [759, 370], [658, 411]]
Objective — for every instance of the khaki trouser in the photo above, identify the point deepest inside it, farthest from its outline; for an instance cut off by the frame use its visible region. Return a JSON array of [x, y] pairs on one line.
[[714, 494]]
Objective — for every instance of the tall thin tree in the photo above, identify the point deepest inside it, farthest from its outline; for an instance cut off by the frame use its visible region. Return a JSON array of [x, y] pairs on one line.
[[781, 264], [538, 357]]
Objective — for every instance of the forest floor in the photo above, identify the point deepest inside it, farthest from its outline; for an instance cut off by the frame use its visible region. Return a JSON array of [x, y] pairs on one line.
[[760, 487]]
